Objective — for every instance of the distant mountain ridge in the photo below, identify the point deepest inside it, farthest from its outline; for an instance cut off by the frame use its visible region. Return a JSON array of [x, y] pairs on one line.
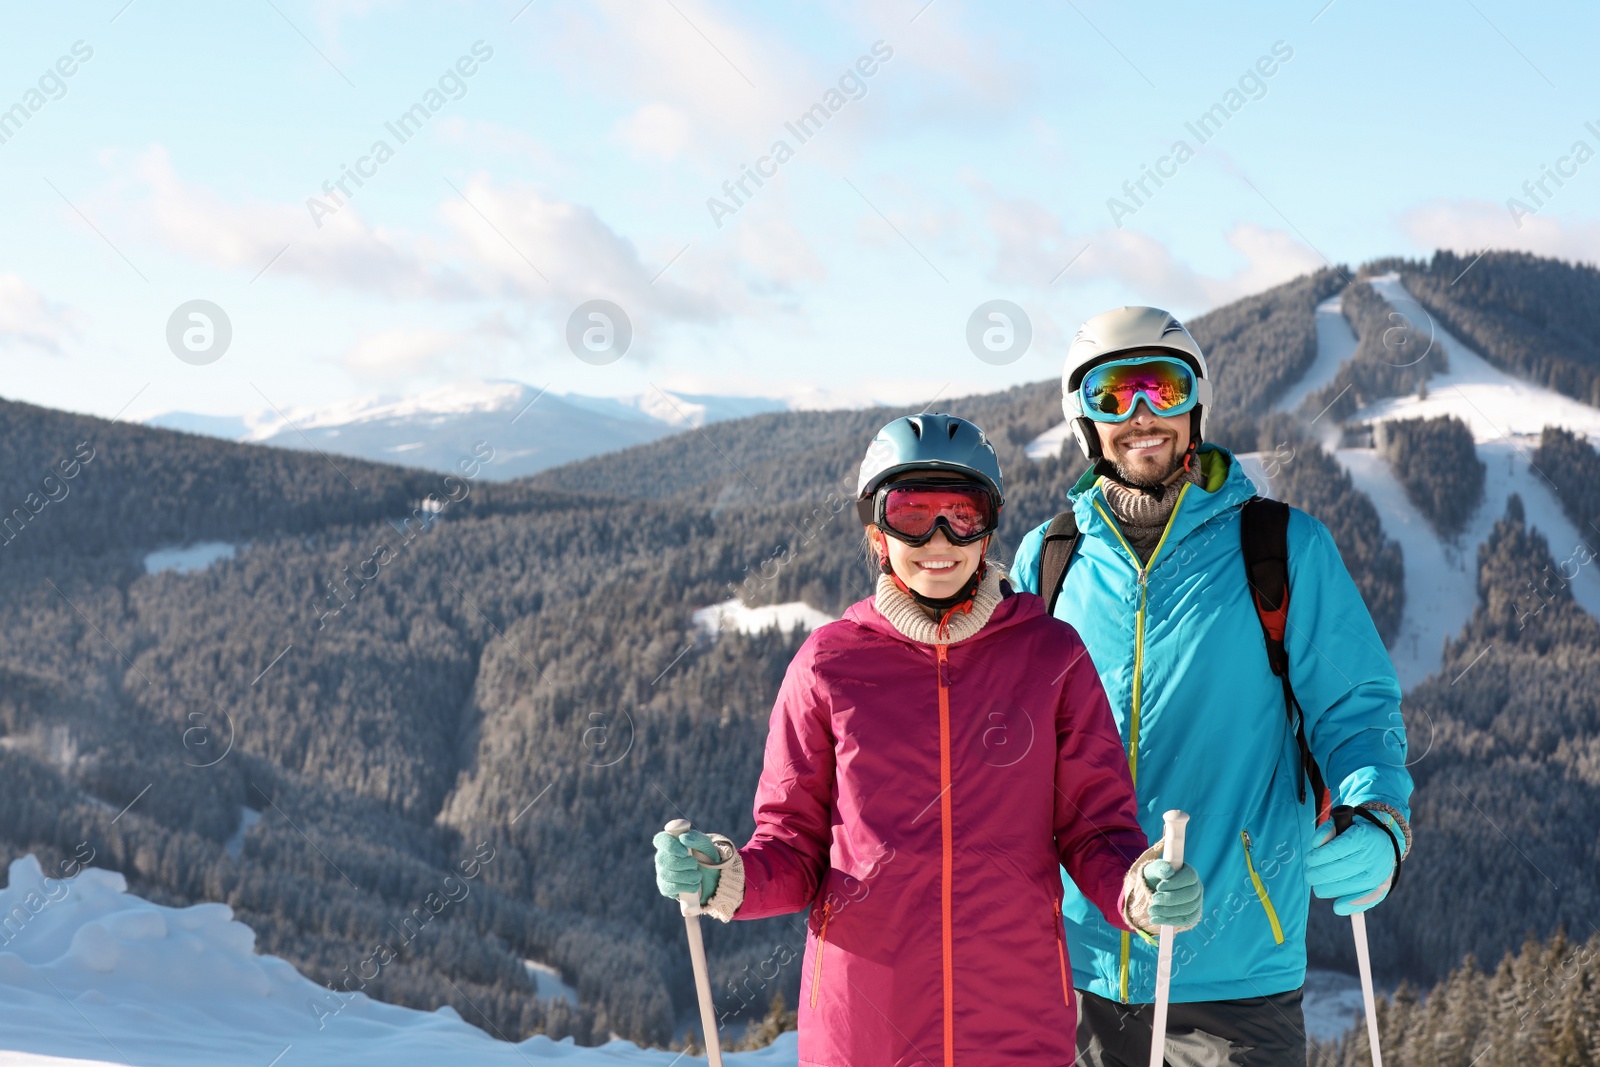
[[530, 429]]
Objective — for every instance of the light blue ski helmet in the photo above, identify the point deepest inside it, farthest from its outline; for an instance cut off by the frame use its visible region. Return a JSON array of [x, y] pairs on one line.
[[930, 442]]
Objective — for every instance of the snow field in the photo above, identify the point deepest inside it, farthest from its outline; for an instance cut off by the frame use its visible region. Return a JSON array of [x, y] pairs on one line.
[[90, 974], [187, 558], [1442, 576], [1495, 405], [1336, 342], [732, 616]]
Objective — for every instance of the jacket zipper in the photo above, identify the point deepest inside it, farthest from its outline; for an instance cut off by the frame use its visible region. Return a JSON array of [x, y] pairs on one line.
[[1061, 951], [822, 944], [947, 874], [1261, 889], [1143, 570]]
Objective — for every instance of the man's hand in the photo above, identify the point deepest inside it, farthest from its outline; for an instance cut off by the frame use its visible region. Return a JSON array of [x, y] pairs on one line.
[[1355, 868]]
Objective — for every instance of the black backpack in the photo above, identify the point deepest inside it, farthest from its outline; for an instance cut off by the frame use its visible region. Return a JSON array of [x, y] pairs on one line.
[[1264, 536]]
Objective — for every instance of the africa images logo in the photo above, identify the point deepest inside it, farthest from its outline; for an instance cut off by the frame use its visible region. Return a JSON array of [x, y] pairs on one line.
[[852, 85], [404, 127]]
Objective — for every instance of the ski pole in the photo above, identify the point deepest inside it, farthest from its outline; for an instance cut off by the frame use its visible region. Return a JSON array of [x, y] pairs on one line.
[[1172, 831], [689, 903], [1342, 818]]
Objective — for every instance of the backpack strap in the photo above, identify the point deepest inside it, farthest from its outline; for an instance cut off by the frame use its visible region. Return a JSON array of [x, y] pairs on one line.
[[1264, 536], [1060, 542]]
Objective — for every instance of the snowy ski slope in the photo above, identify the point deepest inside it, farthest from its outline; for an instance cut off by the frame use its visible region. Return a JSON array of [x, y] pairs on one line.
[[91, 974], [1336, 342], [1506, 416]]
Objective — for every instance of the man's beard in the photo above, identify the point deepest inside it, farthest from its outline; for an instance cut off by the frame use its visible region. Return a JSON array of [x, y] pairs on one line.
[[1146, 482]]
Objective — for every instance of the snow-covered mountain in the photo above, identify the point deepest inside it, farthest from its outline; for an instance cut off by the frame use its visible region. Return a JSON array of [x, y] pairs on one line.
[[1506, 416], [91, 974], [528, 429]]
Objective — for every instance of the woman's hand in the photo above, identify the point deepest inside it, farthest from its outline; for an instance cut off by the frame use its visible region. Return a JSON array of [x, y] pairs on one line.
[[1177, 899], [1156, 895], [679, 872]]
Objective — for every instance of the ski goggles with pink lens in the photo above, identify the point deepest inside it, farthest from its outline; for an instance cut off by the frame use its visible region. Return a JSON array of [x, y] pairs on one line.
[[1109, 391], [912, 511]]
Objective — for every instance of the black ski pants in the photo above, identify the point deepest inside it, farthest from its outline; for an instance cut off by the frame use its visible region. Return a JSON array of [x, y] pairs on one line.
[[1254, 1032]]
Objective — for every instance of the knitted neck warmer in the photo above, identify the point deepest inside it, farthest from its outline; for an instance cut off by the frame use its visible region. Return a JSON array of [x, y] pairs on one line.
[[907, 616], [1143, 517]]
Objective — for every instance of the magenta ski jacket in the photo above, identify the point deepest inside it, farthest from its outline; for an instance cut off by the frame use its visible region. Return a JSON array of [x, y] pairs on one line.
[[921, 800]]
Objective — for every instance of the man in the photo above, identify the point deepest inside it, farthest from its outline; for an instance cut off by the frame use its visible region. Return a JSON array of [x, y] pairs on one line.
[[1156, 585]]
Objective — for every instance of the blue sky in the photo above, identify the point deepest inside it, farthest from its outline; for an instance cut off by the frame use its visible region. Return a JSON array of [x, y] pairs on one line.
[[576, 161]]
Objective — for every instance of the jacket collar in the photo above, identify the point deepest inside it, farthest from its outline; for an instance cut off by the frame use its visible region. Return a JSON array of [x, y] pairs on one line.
[[1007, 611], [1225, 486]]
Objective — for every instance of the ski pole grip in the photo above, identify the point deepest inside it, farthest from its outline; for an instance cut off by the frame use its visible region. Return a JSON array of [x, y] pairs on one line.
[[1173, 826], [679, 827], [1343, 816]]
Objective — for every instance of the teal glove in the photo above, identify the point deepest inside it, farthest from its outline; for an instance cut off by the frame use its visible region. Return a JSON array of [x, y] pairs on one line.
[[1356, 867], [678, 872], [1178, 898]]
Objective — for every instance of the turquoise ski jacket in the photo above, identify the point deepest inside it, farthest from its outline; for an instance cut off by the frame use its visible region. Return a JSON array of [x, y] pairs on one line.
[[1178, 646]]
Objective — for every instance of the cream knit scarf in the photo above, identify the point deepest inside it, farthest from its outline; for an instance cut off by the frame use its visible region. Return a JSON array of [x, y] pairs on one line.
[[907, 616], [1143, 517]]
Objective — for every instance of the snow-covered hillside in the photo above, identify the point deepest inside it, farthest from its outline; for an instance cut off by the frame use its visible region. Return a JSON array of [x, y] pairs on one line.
[[1336, 342], [90, 974], [1441, 577], [188, 558], [732, 615], [526, 428], [1049, 443], [1506, 416], [1495, 405]]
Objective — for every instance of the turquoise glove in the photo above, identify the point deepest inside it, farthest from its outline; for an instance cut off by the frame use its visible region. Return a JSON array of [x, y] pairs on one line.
[[1178, 897], [1355, 868], [678, 872]]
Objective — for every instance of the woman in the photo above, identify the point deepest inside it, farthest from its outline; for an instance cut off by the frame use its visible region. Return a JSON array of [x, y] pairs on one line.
[[933, 760]]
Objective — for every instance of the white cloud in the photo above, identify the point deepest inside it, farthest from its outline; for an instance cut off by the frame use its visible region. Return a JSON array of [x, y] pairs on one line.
[[1472, 225], [682, 57], [1032, 247], [533, 247], [329, 18], [778, 253], [400, 353], [1272, 257], [714, 85], [961, 75], [496, 243], [657, 130], [345, 251], [29, 321], [481, 135]]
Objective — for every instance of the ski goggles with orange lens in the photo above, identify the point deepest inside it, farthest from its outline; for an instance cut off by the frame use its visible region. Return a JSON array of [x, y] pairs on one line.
[[1109, 391], [912, 511]]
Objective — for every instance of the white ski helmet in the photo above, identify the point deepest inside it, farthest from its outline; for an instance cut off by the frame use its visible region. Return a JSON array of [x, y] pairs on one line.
[[1117, 332]]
